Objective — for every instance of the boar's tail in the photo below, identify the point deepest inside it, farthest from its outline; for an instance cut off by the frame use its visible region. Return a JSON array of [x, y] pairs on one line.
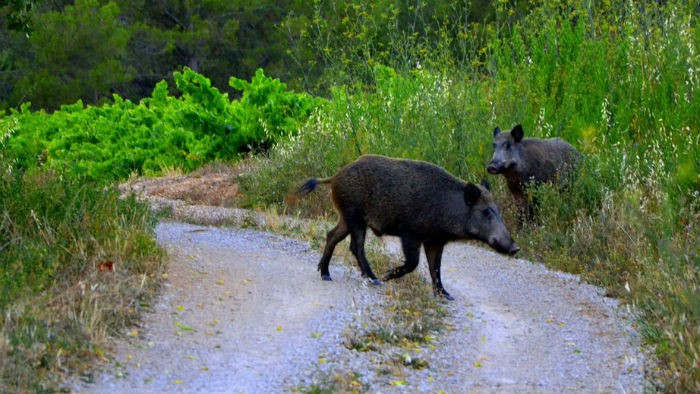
[[310, 185]]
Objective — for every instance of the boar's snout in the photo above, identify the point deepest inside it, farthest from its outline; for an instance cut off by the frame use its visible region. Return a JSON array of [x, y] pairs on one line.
[[513, 249], [497, 166], [492, 168], [508, 247]]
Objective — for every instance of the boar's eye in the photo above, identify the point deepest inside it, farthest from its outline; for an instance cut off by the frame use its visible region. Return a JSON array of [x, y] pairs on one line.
[[487, 213]]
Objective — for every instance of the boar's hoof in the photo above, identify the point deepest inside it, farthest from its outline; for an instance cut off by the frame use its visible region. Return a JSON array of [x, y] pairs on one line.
[[375, 282], [326, 277], [442, 293]]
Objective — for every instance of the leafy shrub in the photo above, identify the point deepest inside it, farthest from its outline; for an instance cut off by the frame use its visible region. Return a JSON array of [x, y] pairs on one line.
[[267, 111], [111, 142]]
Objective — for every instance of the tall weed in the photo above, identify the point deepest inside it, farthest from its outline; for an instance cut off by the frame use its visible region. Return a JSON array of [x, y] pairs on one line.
[[620, 82], [420, 116]]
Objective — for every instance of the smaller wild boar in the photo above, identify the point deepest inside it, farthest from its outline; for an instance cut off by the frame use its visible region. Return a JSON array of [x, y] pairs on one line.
[[529, 160], [419, 202]]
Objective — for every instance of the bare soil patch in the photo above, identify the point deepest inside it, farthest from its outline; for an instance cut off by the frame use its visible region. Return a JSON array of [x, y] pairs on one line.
[[212, 185]]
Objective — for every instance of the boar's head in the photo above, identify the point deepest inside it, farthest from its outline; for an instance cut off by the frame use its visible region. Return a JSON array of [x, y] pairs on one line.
[[484, 221], [506, 150]]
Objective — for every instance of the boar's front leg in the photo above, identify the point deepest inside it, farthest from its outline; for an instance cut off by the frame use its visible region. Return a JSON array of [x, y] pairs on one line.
[[524, 208], [433, 252], [411, 251], [358, 231], [339, 232]]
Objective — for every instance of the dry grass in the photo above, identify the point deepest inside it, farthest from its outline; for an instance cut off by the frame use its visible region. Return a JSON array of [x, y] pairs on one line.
[[80, 265]]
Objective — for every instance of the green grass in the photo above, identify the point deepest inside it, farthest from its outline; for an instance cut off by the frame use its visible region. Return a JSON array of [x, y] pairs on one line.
[[619, 81], [420, 116], [77, 264]]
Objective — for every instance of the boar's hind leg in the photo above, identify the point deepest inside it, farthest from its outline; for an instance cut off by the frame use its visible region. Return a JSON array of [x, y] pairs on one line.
[[433, 252], [411, 251], [339, 232], [358, 230]]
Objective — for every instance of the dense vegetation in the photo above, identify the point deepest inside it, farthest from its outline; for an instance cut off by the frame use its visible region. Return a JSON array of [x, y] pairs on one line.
[[619, 81], [60, 51], [112, 141], [76, 262]]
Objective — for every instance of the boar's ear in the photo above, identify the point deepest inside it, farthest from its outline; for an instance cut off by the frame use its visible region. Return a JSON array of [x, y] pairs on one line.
[[517, 133], [485, 184], [496, 131], [471, 194]]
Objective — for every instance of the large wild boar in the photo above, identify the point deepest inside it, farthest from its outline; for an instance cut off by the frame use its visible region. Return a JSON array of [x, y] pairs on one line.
[[529, 160], [417, 201]]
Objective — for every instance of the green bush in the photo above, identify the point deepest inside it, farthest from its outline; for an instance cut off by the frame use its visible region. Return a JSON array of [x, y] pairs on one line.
[[113, 141], [420, 116]]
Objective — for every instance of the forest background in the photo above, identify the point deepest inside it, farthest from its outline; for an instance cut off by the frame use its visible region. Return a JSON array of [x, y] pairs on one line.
[[97, 91], [57, 52]]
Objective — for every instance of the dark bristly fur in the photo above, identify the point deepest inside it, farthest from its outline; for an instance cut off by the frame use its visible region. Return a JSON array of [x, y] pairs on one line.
[[417, 201], [529, 160]]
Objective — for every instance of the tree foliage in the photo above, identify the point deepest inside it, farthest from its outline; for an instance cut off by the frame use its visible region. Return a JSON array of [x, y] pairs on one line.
[[215, 38], [18, 14], [62, 51], [75, 54]]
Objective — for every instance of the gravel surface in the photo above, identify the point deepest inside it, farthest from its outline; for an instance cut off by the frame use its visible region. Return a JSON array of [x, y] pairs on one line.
[[245, 311], [519, 327], [241, 311]]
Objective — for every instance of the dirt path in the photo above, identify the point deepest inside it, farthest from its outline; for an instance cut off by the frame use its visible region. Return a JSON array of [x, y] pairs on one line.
[[245, 311], [241, 312], [523, 328]]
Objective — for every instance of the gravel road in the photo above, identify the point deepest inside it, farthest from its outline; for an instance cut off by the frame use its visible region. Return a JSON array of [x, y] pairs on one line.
[[245, 311]]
